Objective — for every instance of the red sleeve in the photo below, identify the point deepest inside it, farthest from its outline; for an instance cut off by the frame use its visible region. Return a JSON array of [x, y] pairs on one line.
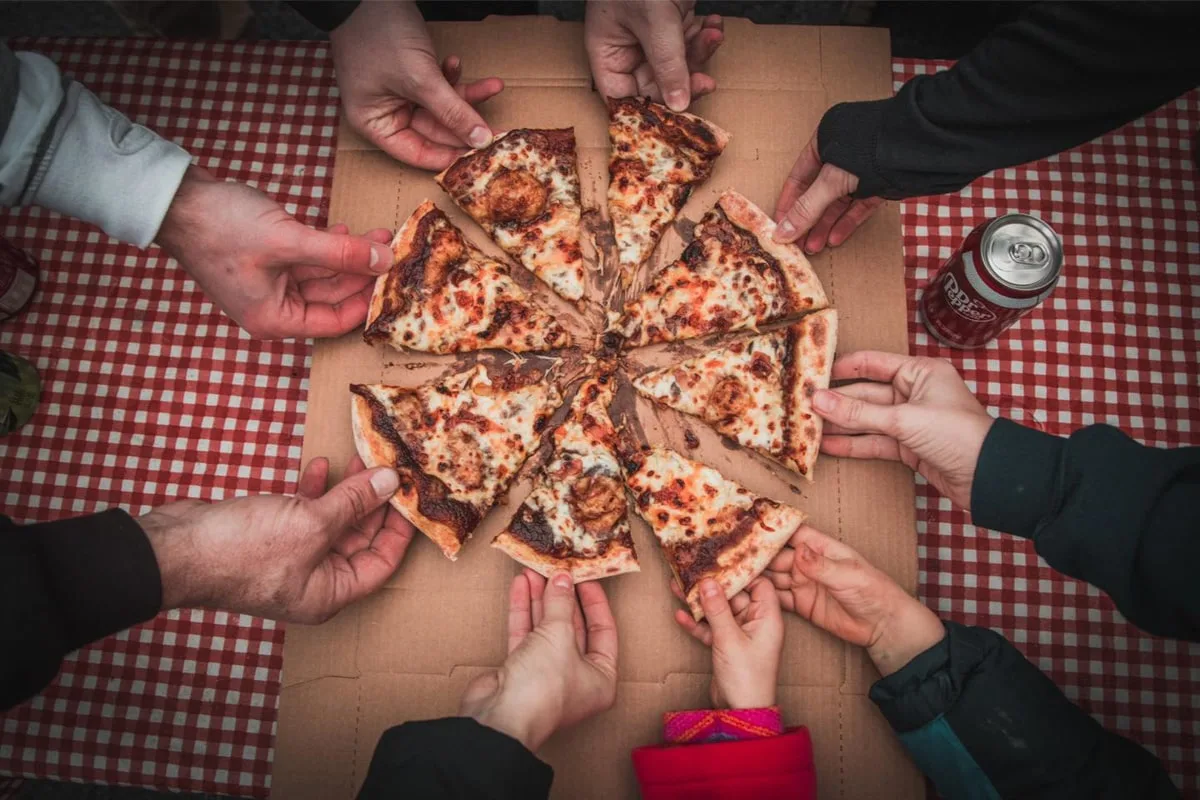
[[774, 768]]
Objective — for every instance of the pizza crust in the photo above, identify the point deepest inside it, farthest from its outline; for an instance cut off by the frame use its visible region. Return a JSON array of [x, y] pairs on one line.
[[617, 561], [814, 340]]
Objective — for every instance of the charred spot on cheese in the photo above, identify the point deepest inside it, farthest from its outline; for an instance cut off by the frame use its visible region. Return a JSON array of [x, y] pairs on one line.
[[790, 344], [690, 439], [695, 558], [598, 502], [515, 196], [730, 398], [531, 527]]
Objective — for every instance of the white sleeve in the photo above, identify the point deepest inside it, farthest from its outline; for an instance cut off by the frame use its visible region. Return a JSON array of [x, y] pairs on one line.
[[63, 149]]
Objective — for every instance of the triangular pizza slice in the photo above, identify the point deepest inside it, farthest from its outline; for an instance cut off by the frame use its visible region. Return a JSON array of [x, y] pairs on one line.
[[443, 295], [758, 391], [658, 156], [732, 277], [708, 526], [457, 443], [575, 518], [523, 189]]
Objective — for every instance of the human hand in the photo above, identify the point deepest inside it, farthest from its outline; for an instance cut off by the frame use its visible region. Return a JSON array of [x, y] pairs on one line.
[[833, 587], [815, 200], [397, 95], [746, 645], [927, 418], [651, 47], [273, 275], [562, 660], [300, 559]]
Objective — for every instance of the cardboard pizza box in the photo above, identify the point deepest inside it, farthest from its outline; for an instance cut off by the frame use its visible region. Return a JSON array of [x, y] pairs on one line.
[[407, 652]]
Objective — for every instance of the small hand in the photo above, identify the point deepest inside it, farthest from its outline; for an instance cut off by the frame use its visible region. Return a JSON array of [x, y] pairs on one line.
[[926, 418], [815, 200], [274, 276], [562, 660], [746, 645], [833, 587], [300, 559], [397, 95], [656, 48]]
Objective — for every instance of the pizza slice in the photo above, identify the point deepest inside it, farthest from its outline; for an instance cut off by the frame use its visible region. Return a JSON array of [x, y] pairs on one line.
[[523, 189], [442, 295], [708, 526], [456, 442], [732, 277], [575, 517], [758, 391], [658, 156]]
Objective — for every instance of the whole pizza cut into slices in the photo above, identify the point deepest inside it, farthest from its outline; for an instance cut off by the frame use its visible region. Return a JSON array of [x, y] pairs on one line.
[[575, 517], [658, 156], [758, 391], [443, 295], [457, 443], [708, 526], [732, 277], [523, 189]]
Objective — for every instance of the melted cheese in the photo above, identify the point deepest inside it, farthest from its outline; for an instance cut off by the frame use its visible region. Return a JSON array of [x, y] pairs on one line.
[[706, 494]]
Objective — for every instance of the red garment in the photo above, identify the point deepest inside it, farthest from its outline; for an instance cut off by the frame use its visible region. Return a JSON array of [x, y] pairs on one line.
[[775, 768], [721, 724]]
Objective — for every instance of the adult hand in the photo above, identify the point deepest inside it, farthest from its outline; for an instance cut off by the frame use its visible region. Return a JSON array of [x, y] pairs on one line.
[[815, 200], [919, 412], [746, 645], [397, 95], [274, 276], [300, 559], [562, 660], [833, 587], [651, 47]]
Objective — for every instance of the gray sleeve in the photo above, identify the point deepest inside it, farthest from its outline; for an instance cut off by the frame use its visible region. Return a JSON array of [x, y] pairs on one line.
[[63, 149]]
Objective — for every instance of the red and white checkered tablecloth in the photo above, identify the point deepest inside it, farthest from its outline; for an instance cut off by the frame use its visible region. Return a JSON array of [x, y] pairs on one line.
[[151, 395]]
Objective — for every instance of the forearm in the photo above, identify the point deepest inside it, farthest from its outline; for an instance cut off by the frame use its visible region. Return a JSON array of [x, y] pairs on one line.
[[64, 584], [982, 722], [1104, 509], [1058, 77], [63, 149]]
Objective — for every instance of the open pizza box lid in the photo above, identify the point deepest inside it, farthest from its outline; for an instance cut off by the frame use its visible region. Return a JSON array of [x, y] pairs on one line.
[[407, 652]]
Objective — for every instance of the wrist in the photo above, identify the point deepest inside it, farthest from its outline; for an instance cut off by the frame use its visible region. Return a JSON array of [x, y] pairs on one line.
[[910, 630], [749, 697], [506, 718], [172, 543], [182, 214]]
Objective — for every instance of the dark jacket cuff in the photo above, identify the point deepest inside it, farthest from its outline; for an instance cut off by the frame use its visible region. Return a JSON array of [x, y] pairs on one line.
[[848, 137], [325, 14], [1016, 478], [929, 685]]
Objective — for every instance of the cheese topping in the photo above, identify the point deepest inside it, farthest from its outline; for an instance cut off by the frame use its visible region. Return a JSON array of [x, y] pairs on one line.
[[683, 499]]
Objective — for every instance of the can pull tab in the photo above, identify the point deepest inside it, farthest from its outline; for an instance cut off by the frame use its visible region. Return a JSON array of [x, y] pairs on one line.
[[1027, 255]]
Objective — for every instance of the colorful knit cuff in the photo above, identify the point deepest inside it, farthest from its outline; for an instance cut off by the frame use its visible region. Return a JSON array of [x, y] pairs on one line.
[[720, 725]]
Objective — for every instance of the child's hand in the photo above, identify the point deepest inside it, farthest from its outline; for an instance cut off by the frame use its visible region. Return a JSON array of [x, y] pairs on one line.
[[745, 647]]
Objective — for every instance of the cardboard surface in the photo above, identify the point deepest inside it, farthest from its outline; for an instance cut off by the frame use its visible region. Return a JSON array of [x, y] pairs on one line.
[[407, 652]]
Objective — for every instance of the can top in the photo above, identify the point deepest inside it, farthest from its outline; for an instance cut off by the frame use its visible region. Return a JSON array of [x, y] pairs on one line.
[[1022, 252]]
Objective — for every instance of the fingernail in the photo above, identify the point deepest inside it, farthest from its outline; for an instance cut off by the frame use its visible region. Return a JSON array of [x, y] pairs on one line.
[[709, 588], [785, 230], [479, 137], [807, 553], [562, 580], [824, 400], [385, 482], [381, 258]]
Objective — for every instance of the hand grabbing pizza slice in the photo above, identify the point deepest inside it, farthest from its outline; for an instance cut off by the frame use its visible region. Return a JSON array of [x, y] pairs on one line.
[[457, 443], [575, 519], [523, 189], [758, 391]]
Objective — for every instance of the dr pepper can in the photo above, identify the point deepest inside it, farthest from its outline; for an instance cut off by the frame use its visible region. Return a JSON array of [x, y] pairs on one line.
[[1002, 270]]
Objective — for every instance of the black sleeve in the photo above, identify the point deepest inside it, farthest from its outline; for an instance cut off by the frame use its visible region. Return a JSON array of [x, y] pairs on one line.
[[981, 722], [324, 14], [64, 584], [455, 758], [1102, 508], [1062, 74]]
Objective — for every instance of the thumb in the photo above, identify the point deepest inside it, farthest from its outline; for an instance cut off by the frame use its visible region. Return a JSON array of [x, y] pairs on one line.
[[853, 414], [828, 187], [717, 611], [667, 53], [822, 570], [340, 252], [558, 600], [438, 97], [354, 498]]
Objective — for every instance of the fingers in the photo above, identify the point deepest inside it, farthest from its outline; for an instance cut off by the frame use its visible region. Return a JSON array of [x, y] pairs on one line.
[[520, 612], [867, 446], [374, 564], [881, 394], [410, 147], [872, 365], [601, 624], [354, 498], [666, 53], [558, 600], [702, 46], [359, 536], [859, 416], [831, 184], [803, 173], [334, 289], [762, 594], [814, 242], [537, 590], [452, 111], [339, 252], [697, 630], [717, 612], [323, 320], [313, 479], [739, 603], [858, 213]]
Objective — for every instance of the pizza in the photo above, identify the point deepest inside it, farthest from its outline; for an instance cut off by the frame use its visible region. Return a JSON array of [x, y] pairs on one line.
[[457, 443], [443, 295], [523, 189], [658, 156], [732, 277], [758, 391], [707, 525], [575, 518]]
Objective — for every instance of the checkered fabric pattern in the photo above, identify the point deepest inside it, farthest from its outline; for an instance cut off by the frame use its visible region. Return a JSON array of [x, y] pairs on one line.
[[1118, 342], [152, 395]]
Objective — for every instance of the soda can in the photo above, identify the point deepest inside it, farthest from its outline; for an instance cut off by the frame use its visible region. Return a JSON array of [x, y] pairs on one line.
[[18, 278], [1000, 273], [20, 389]]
